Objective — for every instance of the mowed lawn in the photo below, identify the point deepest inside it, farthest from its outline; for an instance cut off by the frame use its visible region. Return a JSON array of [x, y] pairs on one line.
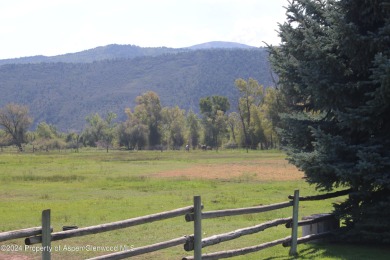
[[93, 187]]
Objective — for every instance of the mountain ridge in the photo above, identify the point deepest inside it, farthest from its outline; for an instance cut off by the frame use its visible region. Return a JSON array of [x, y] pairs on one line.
[[220, 45], [120, 51]]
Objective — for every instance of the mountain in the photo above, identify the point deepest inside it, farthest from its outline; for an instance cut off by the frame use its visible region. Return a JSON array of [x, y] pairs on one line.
[[64, 93], [109, 52]]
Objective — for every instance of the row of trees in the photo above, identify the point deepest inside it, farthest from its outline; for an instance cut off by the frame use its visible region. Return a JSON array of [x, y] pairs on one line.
[[151, 126]]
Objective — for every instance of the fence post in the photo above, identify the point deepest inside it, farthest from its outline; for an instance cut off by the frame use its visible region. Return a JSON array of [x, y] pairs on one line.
[[46, 235], [294, 228], [197, 228]]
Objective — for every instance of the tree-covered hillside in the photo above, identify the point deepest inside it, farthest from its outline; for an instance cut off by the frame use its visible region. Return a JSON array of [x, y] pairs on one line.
[[109, 52], [120, 51], [63, 94]]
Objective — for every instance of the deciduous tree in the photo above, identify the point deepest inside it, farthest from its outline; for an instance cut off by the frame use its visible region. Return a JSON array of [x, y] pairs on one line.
[[213, 110], [173, 126], [234, 124], [132, 133], [15, 121], [251, 96], [46, 137], [148, 110], [193, 127], [100, 131]]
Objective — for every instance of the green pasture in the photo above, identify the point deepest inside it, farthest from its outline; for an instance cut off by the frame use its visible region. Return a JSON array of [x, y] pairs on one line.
[[93, 187]]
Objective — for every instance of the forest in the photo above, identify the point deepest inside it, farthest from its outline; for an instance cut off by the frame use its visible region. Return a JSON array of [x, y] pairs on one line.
[[149, 125], [64, 94]]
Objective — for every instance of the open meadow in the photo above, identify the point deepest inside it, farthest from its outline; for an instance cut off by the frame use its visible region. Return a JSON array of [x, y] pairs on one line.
[[93, 187]]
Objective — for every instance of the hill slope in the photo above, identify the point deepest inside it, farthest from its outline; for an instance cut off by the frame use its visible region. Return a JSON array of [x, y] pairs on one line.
[[117, 51], [63, 94], [109, 52]]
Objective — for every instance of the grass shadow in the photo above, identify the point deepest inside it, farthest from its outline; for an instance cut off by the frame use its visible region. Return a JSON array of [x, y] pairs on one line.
[[352, 251], [307, 253], [338, 251]]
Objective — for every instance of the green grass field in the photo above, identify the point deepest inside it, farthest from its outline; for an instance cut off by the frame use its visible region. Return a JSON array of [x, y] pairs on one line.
[[94, 187]]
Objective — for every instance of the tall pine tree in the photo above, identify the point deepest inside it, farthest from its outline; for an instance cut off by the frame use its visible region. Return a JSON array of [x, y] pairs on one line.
[[334, 72]]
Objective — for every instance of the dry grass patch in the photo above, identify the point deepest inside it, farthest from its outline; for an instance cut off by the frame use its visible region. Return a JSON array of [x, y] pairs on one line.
[[261, 170]]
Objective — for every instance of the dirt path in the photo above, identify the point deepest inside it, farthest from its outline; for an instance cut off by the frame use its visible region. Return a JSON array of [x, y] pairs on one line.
[[15, 257]]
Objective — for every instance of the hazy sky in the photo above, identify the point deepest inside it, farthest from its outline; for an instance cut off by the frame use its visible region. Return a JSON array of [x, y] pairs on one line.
[[52, 27]]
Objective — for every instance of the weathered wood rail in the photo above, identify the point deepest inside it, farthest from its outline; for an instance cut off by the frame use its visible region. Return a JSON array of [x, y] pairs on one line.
[[111, 226], [21, 233], [324, 196], [240, 211], [194, 242]]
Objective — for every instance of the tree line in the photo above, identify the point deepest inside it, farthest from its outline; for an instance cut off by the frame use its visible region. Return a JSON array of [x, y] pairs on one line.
[[149, 125]]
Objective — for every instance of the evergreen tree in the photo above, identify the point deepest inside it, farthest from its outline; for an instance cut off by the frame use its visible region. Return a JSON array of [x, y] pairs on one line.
[[334, 74]]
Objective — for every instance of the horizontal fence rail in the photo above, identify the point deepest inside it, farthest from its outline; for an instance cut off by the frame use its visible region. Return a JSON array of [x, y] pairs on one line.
[[240, 211], [193, 242], [143, 250], [311, 221], [241, 251], [111, 226], [216, 239], [21, 233], [324, 196]]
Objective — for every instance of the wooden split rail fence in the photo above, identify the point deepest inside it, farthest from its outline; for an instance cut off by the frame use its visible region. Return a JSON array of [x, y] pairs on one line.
[[44, 234]]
